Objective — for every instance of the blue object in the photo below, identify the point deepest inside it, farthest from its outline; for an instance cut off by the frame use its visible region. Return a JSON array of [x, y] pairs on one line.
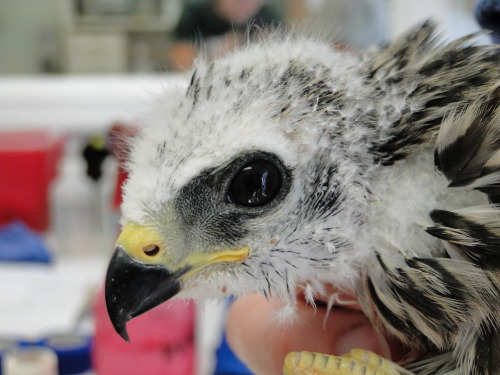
[[24, 343], [18, 243], [487, 14], [227, 362], [73, 353]]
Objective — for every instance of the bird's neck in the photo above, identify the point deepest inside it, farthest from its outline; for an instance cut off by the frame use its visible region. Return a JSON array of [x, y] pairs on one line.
[[403, 196]]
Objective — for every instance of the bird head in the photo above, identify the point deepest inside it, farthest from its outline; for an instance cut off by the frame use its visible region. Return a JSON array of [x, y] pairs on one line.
[[263, 172], [234, 185]]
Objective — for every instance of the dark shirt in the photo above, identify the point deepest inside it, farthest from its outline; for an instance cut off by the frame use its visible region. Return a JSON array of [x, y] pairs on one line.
[[200, 21]]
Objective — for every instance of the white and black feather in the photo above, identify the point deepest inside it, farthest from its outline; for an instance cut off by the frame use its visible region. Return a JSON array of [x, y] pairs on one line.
[[389, 160]]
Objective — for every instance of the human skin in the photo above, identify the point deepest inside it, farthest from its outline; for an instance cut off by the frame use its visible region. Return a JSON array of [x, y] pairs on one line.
[[262, 342]]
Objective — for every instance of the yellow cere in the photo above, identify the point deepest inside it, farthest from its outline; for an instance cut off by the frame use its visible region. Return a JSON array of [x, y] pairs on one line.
[[138, 240], [135, 239]]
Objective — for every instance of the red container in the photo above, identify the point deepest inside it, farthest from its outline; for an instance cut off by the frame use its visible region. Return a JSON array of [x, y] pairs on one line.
[[28, 164], [162, 341]]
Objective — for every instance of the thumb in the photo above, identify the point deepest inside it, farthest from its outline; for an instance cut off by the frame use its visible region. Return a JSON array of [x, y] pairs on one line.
[[262, 342]]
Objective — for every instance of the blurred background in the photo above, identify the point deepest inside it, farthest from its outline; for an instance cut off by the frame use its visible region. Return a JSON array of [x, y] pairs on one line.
[[137, 36], [75, 76]]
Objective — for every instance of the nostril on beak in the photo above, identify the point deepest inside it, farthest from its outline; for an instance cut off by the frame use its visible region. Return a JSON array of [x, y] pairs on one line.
[[151, 250]]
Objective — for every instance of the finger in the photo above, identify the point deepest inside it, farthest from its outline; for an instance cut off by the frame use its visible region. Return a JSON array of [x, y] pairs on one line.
[[261, 342]]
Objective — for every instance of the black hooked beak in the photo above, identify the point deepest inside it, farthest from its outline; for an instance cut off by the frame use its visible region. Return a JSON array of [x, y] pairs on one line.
[[132, 288]]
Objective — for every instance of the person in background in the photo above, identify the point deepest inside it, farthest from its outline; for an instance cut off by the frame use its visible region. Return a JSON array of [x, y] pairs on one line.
[[217, 26]]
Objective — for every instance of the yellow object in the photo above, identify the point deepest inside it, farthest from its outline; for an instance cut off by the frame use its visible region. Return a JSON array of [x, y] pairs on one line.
[[135, 239], [97, 142], [356, 362], [198, 261], [145, 245]]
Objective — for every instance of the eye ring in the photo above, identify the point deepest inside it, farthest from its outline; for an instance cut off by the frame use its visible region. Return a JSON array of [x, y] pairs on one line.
[[256, 184]]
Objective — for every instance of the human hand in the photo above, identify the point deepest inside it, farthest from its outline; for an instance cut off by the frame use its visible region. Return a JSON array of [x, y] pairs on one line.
[[261, 342]]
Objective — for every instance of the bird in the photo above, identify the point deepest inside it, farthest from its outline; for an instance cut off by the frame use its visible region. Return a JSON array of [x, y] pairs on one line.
[[288, 164]]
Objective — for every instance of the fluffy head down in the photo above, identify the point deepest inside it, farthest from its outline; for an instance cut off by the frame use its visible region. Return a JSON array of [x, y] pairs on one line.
[[296, 99], [336, 123]]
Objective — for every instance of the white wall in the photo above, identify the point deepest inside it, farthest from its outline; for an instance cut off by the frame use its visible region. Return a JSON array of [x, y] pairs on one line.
[[456, 16], [78, 103]]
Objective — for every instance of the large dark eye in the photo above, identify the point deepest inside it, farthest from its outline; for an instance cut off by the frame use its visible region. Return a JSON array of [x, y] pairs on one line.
[[256, 184]]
